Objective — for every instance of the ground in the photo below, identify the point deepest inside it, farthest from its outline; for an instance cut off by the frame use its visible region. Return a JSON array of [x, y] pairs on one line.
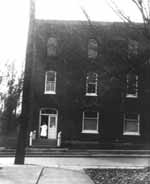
[[119, 176]]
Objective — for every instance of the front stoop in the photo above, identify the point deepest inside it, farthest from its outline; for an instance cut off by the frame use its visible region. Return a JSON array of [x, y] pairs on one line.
[[44, 143], [77, 153]]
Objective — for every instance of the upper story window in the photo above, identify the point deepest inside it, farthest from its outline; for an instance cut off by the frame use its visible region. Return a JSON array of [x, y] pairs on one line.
[[50, 82], [92, 49], [132, 47], [90, 122], [52, 46], [132, 85], [131, 124], [91, 84]]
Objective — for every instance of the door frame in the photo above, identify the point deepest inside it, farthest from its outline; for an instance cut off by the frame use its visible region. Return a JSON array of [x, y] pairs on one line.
[[56, 115]]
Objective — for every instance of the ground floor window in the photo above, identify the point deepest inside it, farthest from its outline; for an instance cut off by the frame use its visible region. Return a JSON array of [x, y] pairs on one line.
[[131, 124], [90, 122], [48, 123]]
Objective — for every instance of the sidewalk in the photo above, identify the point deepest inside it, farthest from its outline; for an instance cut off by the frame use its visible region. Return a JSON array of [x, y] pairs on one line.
[[81, 163], [55, 170], [41, 175]]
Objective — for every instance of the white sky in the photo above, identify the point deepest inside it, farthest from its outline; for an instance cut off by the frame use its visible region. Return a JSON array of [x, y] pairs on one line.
[[14, 17]]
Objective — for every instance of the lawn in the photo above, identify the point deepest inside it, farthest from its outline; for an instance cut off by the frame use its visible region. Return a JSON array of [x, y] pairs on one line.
[[119, 176]]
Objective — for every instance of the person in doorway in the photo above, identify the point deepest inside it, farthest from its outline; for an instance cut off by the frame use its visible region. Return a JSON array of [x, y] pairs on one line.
[[43, 130]]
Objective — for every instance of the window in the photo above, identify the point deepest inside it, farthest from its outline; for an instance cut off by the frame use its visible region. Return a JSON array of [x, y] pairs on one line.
[[91, 84], [132, 85], [92, 49], [52, 46], [132, 48], [50, 82], [90, 122], [131, 124]]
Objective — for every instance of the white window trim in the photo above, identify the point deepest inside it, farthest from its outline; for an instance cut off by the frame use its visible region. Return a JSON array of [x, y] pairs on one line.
[[50, 92], [95, 83], [90, 131], [136, 85], [131, 133], [91, 94]]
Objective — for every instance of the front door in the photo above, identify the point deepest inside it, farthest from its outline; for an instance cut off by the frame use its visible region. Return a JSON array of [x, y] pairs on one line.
[[48, 117], [52, 126]]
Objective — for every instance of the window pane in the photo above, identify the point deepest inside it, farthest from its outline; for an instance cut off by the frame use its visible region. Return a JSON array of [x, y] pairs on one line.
[[90, 114], [131, 126], [91, 77], [90, 124], [51, 76], [48, 111], [132, 116], [91, 88], [52, 122], [131, 78], [132, 84], [50, 86], [92, 48]]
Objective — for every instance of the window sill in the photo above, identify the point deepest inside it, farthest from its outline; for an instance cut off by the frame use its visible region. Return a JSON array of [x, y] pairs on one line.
[[132, 133], [49, 93], [131, 96], [89, 132], [90, 94]]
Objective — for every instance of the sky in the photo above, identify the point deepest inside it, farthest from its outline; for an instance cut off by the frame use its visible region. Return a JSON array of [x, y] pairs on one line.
[[14, 19]]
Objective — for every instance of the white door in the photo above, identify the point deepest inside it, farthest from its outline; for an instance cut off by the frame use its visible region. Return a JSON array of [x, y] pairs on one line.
[[52, 126]]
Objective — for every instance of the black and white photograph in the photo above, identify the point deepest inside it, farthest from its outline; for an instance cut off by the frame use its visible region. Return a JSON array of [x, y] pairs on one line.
[[75, 92]]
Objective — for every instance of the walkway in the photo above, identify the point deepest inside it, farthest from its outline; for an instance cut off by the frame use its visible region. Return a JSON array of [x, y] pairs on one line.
[[80, 163], [39, 175], [57, 170]]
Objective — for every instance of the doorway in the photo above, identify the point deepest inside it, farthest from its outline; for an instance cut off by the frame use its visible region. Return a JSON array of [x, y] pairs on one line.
[[49, 118]]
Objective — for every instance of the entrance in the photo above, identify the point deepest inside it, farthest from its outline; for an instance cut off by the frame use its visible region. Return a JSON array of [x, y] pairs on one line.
[[48, 117]]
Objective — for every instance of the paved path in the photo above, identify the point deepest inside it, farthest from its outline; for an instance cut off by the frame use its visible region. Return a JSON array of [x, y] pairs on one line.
[[80, 163], [19, 174], [63, 176], [40, 175], [60, 170]]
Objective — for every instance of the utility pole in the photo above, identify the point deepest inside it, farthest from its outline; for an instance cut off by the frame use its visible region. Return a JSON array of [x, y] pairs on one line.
[[24, 118]]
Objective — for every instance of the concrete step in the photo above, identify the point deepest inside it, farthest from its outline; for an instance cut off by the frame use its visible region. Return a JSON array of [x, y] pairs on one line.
[[65, 152]]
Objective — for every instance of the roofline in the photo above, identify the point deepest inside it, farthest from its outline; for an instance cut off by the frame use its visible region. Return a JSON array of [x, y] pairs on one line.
[[49, 21]]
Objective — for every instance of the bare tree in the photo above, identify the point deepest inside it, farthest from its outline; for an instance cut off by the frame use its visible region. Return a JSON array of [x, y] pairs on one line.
[[143, 6]]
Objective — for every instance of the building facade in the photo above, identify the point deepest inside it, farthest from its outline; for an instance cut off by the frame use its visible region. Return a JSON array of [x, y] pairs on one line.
[[84, 81]]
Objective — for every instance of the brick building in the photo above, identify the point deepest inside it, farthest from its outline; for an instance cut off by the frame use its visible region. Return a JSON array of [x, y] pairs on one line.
[[84, 81]]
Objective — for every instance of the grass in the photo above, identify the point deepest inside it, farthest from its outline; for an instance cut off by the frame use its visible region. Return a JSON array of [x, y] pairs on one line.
[[119, 176]]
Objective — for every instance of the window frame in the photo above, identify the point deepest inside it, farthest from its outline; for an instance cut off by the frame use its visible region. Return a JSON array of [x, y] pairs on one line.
[[50, 91], [90, 131], [133, 120], [135, 95], [93, 83]]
